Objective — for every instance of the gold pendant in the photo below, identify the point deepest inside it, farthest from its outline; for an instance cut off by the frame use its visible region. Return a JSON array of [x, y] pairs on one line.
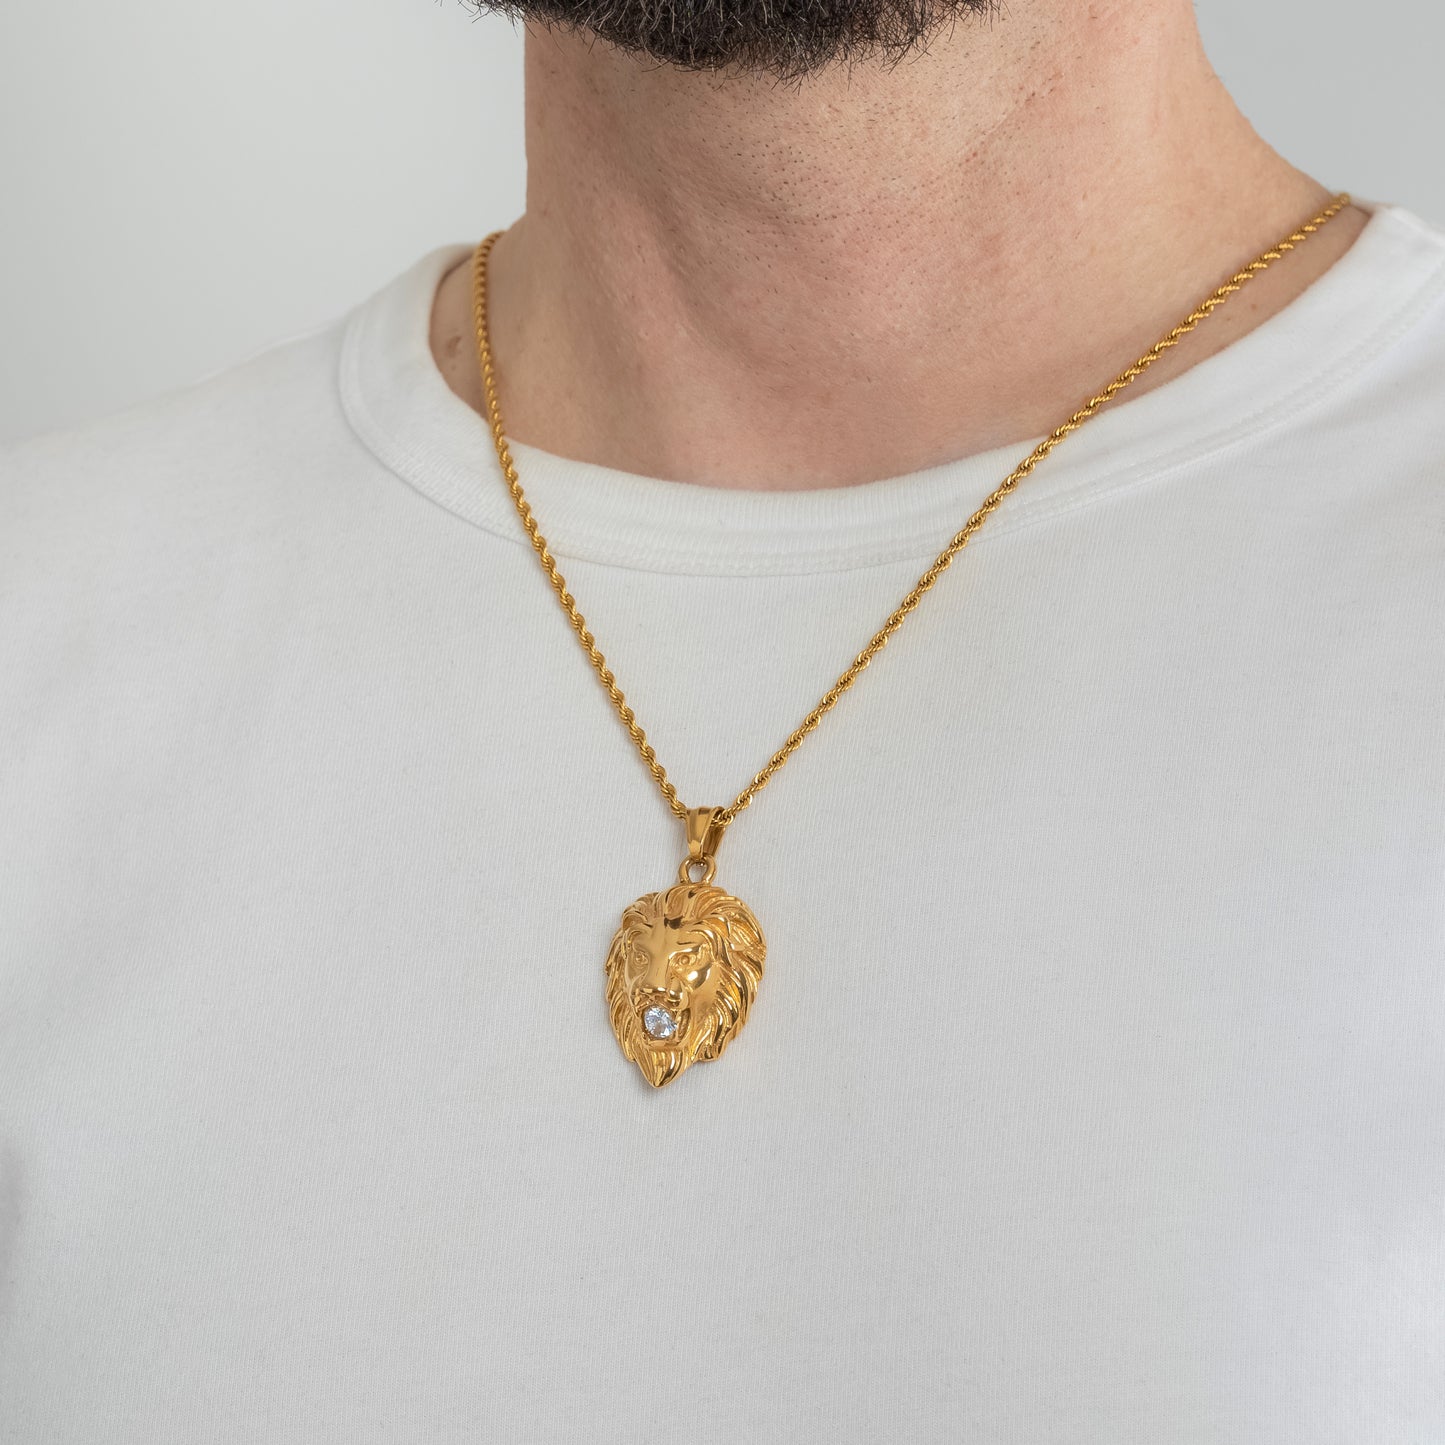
[[684, 967]]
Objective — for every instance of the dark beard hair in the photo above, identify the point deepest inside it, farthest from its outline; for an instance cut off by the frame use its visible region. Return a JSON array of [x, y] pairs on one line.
[[786, 39]]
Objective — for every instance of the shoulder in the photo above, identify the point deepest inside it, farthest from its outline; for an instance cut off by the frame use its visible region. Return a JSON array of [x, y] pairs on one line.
[[1384, 427], [211, 453], [1399, 279], [1360, 448], [153, 529]]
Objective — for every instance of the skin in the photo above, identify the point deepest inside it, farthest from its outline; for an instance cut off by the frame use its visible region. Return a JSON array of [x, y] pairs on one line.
[[726, 281]]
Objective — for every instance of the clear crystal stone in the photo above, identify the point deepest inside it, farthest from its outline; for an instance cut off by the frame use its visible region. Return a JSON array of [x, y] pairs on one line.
[[659, 1023]]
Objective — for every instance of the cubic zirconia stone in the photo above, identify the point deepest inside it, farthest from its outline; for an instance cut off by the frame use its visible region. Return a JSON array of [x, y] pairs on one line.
[[659, 1023]]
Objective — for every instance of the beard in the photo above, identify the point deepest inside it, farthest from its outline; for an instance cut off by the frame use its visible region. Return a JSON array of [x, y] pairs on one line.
[[785, 39]]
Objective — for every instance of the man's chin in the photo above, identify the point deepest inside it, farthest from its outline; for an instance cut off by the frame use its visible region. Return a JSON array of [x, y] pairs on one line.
[[787, 41]]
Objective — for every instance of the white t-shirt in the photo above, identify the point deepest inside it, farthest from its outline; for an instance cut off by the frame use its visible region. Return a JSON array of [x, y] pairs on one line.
[[1095, 1091]]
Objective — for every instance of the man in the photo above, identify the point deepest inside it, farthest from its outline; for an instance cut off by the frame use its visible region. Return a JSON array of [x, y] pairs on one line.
[[1090, 1089]]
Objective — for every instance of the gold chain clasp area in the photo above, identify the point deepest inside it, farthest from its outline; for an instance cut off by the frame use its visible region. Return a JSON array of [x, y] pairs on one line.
[[704, 832]]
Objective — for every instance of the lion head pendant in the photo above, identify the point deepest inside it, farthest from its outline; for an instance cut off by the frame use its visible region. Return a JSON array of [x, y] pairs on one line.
[[682, 974]]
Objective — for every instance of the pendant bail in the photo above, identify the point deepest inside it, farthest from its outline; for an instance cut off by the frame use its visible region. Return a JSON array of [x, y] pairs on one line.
[[704, 833]]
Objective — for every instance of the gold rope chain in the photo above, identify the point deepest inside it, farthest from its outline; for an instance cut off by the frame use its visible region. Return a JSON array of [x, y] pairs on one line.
[[880, 638]]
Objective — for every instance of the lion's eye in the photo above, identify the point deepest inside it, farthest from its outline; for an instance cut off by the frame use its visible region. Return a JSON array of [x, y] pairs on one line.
[[695, 971]]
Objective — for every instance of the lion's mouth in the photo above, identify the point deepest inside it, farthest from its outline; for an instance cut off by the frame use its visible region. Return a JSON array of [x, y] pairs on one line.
[[663, 1026]]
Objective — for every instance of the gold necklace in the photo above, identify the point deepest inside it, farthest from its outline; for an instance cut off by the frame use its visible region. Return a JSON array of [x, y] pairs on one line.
[[684, 966]]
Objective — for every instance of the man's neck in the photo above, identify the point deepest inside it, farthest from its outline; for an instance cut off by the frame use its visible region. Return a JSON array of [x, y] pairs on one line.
[[732, 282]]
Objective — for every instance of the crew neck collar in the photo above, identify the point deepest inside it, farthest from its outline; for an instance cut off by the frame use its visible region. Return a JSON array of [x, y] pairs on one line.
[[400, 405]]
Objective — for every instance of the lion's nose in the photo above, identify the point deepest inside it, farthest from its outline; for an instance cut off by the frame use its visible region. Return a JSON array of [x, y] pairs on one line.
[[669, 996], [656, 975]]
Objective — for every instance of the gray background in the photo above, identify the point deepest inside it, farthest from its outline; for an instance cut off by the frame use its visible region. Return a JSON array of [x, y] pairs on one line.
[[182, 184]]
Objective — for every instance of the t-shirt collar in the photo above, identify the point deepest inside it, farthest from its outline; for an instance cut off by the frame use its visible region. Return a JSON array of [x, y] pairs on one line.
[[400, 405]]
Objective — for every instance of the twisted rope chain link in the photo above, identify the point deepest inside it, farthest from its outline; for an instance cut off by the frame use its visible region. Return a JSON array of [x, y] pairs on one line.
[[960, 540]]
